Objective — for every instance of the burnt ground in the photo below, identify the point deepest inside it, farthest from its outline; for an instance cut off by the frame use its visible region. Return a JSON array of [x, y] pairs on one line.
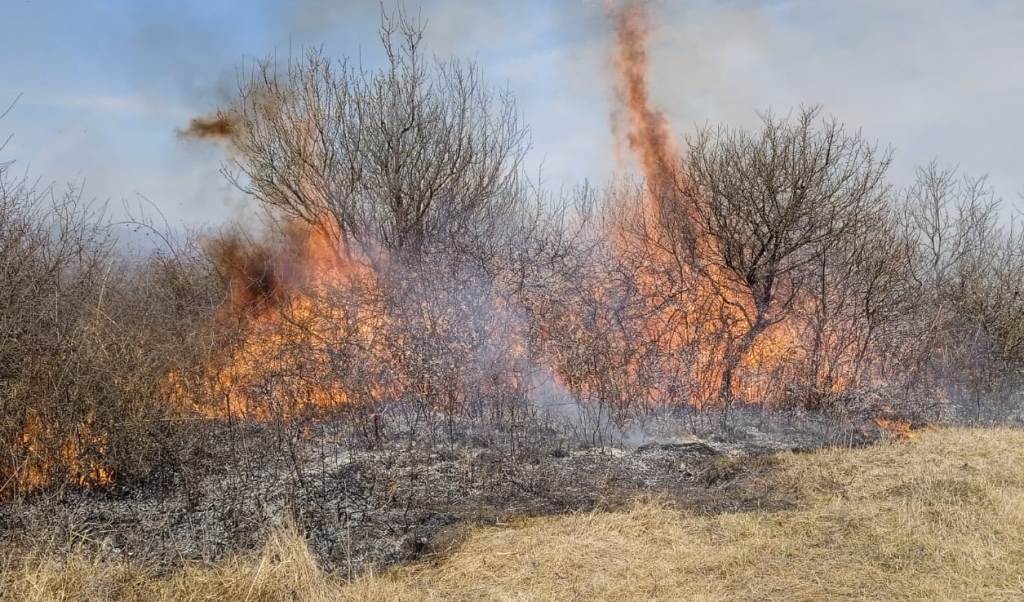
[[365, 506]]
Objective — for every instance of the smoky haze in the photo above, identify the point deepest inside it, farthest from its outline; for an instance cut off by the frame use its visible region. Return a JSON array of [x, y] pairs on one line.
[[105, 91]]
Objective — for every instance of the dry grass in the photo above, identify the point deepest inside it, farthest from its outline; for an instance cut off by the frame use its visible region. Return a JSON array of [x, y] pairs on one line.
[[285, 570], [940, 517]]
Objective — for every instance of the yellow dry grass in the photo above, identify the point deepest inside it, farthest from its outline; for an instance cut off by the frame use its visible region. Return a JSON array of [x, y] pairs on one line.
[[940, 517]]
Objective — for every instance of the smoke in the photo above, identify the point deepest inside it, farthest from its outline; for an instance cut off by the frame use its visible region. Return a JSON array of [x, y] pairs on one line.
[[264, 271], [645, 128], [249, 269], [221, 126]]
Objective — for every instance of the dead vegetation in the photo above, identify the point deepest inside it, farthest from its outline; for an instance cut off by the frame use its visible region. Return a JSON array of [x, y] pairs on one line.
[[362, 508], [421, 337], [88, 336], [411, 279], [935, 518]]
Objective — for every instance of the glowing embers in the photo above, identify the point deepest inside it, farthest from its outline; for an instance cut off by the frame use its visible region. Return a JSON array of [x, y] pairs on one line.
[[79, 463]]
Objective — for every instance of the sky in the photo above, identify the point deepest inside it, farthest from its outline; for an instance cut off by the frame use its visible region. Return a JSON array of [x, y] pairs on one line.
[[103, 85]]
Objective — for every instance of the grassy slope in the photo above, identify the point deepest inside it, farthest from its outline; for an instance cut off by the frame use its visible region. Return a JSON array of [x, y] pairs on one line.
[[941, 517]]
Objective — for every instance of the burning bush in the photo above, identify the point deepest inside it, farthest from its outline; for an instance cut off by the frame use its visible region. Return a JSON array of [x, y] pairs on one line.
[[411, 280], [774, 268], [87, 336]]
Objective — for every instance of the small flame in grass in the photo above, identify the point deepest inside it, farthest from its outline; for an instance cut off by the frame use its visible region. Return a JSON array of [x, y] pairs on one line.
[[79, 462], [897, 429]]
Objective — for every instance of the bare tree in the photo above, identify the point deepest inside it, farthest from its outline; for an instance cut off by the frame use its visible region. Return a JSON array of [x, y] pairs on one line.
[[770, 204], [853, 314], [395, 158], [968, 274]]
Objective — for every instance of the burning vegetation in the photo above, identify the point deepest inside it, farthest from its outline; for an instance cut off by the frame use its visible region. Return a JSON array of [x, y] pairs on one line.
[[410, 282]]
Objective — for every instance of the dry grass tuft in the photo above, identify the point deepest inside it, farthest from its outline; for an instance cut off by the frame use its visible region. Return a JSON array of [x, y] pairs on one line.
[[284, 570], [939, 517]]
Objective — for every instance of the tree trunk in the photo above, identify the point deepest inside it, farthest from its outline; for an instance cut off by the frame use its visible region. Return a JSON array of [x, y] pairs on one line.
[[733, 360]]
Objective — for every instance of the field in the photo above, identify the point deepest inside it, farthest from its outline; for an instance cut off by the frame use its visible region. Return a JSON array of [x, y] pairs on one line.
[[758, 357], [936, 517]]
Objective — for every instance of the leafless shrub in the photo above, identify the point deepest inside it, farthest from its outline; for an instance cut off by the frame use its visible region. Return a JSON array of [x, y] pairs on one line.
[[416, 153], [417, 285], [89, 337], [968, 281]]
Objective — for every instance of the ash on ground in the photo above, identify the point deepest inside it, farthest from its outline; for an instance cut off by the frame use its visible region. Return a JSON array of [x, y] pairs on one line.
[[376, 505]]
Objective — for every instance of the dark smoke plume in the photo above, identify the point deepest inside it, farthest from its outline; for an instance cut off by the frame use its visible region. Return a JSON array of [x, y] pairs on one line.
[[219, 126]]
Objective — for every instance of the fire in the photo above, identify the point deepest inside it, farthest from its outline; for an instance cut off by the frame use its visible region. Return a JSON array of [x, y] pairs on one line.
[[899, 430], [221, 126], [80, 453], [668, 226], [282, 297], [646, 128], [295, 306], [279, 299], [732, 356]]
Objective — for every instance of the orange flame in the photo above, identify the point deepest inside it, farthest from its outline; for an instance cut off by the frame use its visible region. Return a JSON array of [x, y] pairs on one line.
[[715, 310], [898, 430], [646, 128], [278, 297], [219, 126], [80, 458]]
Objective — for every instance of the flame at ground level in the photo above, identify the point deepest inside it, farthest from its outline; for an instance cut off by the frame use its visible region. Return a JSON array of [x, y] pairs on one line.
[[31, 467]]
